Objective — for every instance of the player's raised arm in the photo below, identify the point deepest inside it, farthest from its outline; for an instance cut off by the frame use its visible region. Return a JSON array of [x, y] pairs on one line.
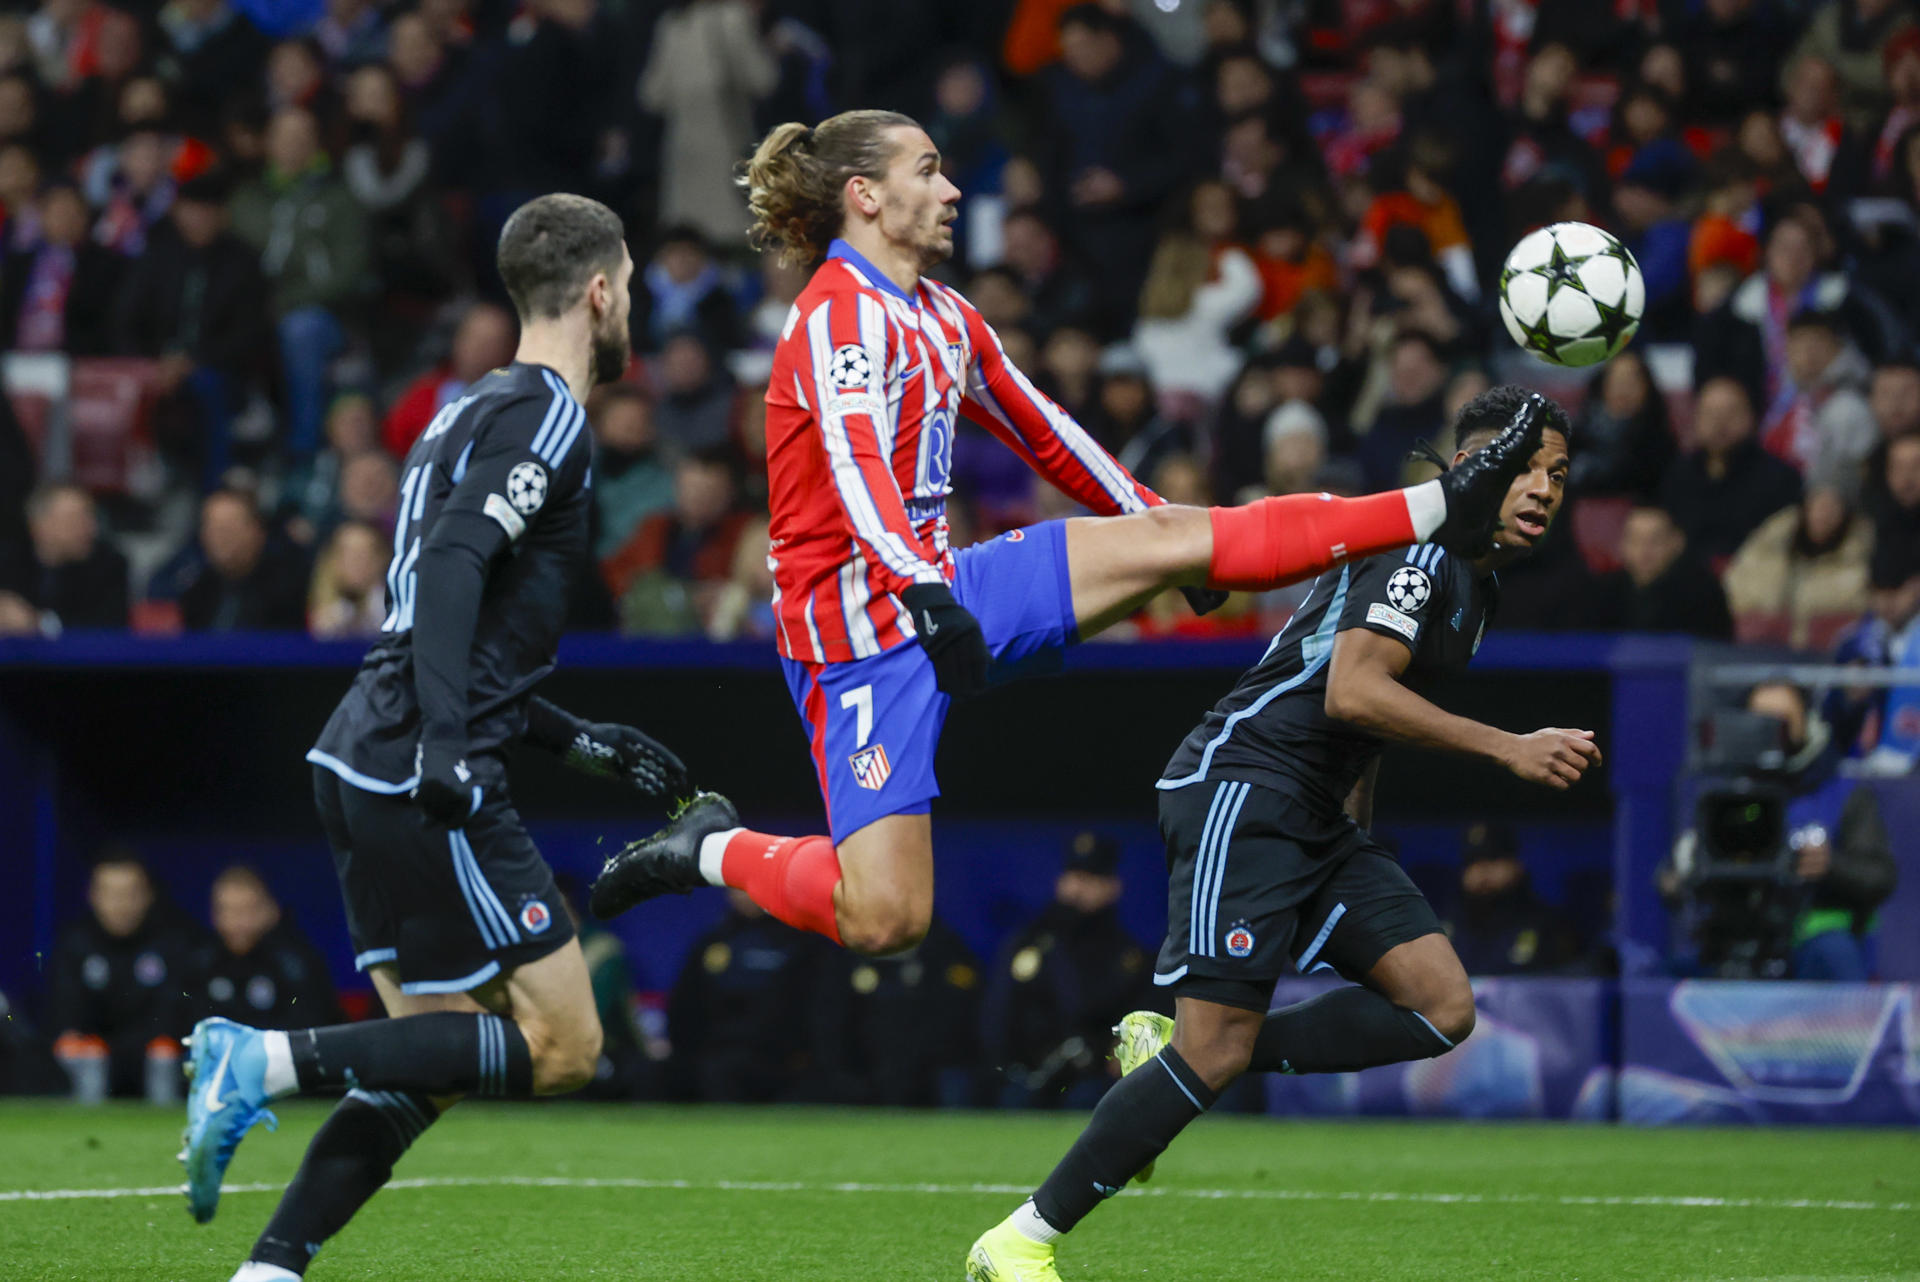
[[1364, 689], [1004, 401]]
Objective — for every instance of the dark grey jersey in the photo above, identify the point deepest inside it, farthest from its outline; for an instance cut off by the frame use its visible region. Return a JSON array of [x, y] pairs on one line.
[[514, 450], [1273, 728]]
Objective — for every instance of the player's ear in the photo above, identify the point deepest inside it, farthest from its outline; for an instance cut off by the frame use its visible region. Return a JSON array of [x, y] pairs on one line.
[[1459, 457], [861, 195]]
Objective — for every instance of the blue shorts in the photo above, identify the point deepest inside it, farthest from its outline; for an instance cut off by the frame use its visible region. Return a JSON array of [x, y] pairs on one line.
[[873, 724]]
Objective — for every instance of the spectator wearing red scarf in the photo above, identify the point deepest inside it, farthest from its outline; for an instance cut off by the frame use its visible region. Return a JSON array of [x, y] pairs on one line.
[[58, 296]]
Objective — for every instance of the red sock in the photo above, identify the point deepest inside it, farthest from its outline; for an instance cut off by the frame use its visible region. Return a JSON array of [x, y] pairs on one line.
[[1272, 542], [791, 877]]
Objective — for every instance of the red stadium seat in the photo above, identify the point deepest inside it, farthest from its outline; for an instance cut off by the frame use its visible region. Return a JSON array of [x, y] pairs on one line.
[[1597, 525], [1825, 630], [109, 417], [88, 419]]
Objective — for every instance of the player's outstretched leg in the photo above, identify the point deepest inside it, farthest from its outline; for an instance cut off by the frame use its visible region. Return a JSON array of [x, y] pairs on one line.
[[793, 878], [1417, 1003], [237, 1070], [1117, 564], [1275, 541], [549, 1046]]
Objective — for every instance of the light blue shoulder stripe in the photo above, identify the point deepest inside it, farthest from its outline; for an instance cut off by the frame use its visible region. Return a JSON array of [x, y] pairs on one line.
[[554, 409], [554, 448], [1322, 652]]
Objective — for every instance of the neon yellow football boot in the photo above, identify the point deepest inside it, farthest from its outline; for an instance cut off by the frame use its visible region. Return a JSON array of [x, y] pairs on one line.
[[1005, 1254], [1142, 1034]]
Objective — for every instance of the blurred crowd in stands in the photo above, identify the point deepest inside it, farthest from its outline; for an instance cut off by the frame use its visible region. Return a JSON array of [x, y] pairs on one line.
[[758, 1012], [1252, 245]]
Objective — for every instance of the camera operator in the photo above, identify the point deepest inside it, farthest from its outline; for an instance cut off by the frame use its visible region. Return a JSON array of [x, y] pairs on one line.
[[1788, 863]]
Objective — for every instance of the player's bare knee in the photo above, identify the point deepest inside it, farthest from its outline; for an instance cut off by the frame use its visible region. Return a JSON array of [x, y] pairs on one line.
[[1173, 539], [891, 929], [1451, 1012], [1218, 1049], [1220, 1060], [564, 1059], [878, 924]]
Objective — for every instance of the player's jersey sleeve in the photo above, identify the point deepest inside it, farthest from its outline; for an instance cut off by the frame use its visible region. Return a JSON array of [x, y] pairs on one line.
[[1004, 401], [1398, 594], [848, 357], [526, 458]]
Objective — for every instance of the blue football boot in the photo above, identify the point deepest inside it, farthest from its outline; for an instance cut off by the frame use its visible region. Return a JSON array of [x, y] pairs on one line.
[[226, 1095]]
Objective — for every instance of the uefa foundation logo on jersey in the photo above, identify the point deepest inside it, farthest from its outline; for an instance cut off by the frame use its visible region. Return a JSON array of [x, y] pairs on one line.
[[870, 767], [1240, 939], [535, 917]]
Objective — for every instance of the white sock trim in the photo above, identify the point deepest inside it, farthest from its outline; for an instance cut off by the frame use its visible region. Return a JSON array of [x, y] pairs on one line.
[[254, 1271], [1427, 505], [1031, 1226], [713, 849], [280, 1077]]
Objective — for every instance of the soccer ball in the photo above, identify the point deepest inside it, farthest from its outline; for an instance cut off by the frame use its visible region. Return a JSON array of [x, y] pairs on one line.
[[1571, 294]]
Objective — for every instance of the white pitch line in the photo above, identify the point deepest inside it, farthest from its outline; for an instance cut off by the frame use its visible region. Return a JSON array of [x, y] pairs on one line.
[[1007, 1190]]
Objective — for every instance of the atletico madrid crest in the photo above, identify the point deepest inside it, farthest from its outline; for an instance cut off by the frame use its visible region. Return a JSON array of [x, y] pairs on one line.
[[870, 768]]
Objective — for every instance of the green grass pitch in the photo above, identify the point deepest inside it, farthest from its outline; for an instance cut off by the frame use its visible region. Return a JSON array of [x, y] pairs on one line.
[[557, 1192]]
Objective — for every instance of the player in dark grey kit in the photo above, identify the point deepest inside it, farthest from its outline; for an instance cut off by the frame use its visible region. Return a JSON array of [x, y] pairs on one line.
[[1266, 808], [453, 912]]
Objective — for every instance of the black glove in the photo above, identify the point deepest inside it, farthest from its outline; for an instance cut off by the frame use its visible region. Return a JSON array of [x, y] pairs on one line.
[[1204, 600], [951, 637], [620, 752], [446, 790]]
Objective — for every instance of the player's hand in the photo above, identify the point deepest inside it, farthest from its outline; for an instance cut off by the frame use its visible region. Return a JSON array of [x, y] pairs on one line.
[[446, 790], [1554, 757], [951, 637], [614, 751], [1204, 600]]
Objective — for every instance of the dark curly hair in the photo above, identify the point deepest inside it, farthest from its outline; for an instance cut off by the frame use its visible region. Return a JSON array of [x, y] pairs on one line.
[[1487, 415]]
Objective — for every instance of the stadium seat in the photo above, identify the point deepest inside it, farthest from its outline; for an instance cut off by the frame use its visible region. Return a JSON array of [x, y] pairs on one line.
[[109, 419], [1597, 525], [1825, 630], [87, 419], [1762, 627]]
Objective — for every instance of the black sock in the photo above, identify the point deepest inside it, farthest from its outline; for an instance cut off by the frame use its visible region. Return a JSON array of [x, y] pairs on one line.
[[443, 1053], [351, 1156], [1134, 1123], [1343, 1031]]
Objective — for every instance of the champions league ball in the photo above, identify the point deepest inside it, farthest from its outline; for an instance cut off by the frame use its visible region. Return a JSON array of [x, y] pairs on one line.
[[1571, 294]]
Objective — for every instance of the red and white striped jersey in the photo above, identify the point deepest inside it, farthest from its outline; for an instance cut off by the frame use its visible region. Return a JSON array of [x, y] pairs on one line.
[[867, 384]]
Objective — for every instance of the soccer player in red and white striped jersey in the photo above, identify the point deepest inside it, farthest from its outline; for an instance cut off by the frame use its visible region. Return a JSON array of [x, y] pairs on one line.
[[881, 624]]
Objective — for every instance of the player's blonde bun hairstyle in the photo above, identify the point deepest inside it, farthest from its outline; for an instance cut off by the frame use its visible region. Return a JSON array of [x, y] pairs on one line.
[[796, 176]]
